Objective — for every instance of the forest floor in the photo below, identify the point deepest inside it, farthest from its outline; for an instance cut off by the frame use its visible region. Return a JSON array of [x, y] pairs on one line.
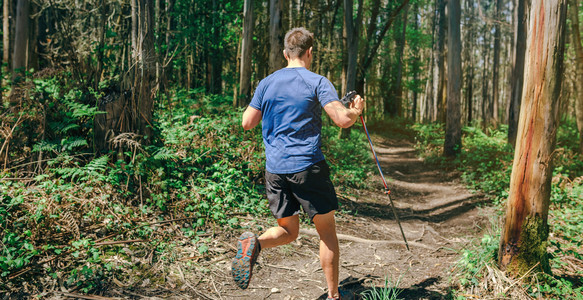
[[439, 218]]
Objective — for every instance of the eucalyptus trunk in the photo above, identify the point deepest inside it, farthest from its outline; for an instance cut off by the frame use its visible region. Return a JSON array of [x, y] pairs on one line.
[[523, 244], [453, 130]]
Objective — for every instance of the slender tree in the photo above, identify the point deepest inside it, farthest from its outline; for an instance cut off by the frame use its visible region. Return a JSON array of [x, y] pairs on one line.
[[244, 96], [523, 244], [468, 59], [352, 29], [19, 56], [6, 32], [276, 58], [439, 61], [496, 63], [427, 110], [400, 61], [517, 67], [351, 32], [453, 131], [145, 70], [576, 40]]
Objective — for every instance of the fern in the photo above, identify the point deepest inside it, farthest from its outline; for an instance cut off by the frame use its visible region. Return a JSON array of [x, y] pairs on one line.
[[79, 110], [94, 170], [72, 143], [165, 154], [44, 146], [98, 165]]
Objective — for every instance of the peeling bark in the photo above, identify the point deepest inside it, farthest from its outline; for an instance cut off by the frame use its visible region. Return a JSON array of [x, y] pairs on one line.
[[525, 231]]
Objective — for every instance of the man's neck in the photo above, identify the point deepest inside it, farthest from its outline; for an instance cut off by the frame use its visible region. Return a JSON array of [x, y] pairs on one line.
[[297, 63]]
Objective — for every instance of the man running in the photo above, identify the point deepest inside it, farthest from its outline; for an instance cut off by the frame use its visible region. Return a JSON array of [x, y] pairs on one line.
[[289, 103]]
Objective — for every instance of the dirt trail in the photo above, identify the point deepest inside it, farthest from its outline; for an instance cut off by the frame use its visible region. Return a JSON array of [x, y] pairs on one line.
[[438, 215]]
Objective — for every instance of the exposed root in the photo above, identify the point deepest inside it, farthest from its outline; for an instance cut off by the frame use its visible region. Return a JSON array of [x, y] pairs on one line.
[[351, 238]]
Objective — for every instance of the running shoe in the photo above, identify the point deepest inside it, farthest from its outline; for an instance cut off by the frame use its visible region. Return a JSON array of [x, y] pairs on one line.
[[248, 248]]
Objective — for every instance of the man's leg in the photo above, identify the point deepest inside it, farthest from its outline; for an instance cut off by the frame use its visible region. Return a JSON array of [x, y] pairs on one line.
[[285, 233], [329, 250]]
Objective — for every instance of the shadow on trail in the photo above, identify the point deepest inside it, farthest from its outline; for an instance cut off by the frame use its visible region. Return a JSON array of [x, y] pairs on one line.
[[417, 291], [435, 214]]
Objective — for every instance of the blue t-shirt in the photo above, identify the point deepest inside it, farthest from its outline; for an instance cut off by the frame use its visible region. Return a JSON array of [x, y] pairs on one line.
[[291, 101]]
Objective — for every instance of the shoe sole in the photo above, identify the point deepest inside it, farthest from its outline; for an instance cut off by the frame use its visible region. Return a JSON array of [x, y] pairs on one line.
[[242, 266]]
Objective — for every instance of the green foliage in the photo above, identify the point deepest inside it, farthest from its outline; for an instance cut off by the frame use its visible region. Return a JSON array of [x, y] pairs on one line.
[[470, 269], [389, 291], [486, 162], [349, 158]]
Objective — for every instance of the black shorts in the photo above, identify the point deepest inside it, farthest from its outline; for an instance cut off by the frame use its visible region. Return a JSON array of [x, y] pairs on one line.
[[312, 189]]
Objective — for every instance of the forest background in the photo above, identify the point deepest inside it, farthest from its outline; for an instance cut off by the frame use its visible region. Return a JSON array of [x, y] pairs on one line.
[[121, 119]]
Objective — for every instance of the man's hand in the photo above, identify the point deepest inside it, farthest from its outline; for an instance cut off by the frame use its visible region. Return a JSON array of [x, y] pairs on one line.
[[357, 103], [342, 116]]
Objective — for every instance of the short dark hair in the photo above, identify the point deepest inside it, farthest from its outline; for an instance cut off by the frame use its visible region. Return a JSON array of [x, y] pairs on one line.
[[297, 41]]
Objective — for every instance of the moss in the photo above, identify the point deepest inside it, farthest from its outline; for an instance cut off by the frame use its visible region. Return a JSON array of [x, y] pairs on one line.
[[533, 248]]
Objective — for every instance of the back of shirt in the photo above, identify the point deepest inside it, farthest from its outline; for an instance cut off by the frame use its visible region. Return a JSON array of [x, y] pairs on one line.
[[291, 101]]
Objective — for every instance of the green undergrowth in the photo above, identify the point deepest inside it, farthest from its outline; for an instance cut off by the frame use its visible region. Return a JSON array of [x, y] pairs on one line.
[[486, 164], [82, 221]]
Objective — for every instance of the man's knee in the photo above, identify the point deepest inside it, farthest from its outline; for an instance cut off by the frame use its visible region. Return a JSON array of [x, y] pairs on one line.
[[325, 223], [292, 227]]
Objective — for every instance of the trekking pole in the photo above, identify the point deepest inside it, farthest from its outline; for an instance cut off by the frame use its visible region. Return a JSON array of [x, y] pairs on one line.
[[347, 99]]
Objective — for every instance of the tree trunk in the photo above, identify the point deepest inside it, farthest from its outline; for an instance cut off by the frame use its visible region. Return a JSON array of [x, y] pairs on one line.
[[401, 49], [215, 56], [103, 20], [495, 64], [19, 57], [427, 111], [469, 64], [134, 32], [520, 32], [276, 58], [453, 131], [32, 56], [439, 70], [244, 96], [148, 67], [130, 109], [416, 64], [576, 40], [351, 29], [523, 244], [485, 82], [6, 32]]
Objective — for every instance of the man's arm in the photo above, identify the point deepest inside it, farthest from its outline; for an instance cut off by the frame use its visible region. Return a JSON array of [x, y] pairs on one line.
[[251, 117], [345, 117]]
